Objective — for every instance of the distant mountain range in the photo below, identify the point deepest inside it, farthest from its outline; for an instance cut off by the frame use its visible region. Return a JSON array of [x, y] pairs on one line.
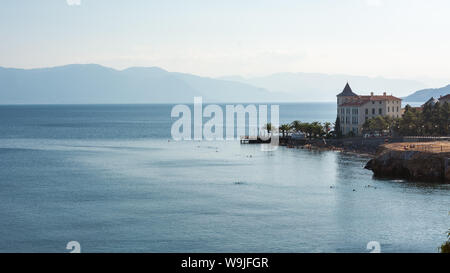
[[425, 94], [75, 84], [92, 83], [324, 87]]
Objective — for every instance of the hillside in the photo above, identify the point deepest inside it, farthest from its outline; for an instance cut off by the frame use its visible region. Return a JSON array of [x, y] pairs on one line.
[[425, 94], [91, 83], [324, 87]]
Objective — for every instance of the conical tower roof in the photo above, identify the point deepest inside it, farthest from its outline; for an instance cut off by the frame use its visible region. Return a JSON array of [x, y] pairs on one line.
[[347, 92]]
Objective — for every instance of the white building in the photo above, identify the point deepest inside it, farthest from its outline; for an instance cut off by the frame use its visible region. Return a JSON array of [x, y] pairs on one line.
[[353, 110]]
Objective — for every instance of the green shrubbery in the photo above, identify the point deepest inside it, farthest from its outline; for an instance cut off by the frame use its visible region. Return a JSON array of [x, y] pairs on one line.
[[310, 129], [445, 247], [431, 120]]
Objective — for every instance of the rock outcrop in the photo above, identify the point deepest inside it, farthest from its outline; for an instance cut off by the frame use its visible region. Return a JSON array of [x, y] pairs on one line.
[[410, 164]]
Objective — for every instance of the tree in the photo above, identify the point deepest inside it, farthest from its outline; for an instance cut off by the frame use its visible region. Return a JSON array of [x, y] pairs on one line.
[[445, 247], [444, 118], [327, 128], [378, 124], [409, 123], [317, 130], [296, 125], [337, 128], [284, 128], [431, 120], [307, 128]]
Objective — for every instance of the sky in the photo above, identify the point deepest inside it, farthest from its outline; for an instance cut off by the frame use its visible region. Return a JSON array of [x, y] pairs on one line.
[[390, 38]]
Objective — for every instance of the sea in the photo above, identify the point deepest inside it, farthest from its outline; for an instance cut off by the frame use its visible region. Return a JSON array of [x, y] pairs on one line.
[[111, 178]]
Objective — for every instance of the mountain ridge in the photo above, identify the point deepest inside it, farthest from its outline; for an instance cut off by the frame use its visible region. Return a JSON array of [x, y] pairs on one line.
[[318, 86], [425, 94], [94, 83]]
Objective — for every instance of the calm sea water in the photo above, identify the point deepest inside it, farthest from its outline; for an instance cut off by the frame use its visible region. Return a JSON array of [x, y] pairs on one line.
[[107, 177]]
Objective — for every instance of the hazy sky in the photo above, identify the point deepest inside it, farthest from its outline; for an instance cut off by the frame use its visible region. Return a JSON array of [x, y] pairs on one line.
[[390, 38]]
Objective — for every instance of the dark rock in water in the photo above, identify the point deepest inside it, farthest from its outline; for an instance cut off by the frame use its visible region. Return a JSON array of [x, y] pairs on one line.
[[410, 164]]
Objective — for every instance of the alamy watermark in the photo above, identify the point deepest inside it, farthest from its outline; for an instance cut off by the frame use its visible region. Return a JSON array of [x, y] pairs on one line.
[[230, 124], [74, 247], [374, 247]]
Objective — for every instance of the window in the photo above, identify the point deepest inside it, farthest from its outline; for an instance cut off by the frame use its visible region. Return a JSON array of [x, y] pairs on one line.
[[367, 111], [354, 120], [380, 111], [381, 102], [373, 111], [355, 111], [347, 120], [388, 109], [347, 111], [373, 102], [397, 108]]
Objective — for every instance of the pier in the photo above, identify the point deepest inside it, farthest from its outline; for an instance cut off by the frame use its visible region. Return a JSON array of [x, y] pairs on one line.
[[253, 140]]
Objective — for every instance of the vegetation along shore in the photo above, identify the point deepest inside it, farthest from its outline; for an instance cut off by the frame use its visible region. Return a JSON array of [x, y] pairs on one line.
[[413, 146]]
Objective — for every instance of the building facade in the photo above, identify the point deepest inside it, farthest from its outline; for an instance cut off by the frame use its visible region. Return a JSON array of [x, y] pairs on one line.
[[353, 110], [445, 98]]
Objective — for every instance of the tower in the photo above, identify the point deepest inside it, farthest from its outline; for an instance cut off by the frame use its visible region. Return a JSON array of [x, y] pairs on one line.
[[346, 95]]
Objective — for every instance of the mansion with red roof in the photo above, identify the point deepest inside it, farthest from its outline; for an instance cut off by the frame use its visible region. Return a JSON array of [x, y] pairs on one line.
[[353, 110]]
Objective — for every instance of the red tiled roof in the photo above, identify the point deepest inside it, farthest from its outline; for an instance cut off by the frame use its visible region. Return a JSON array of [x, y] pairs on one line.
[[382, 97], [361, 100]]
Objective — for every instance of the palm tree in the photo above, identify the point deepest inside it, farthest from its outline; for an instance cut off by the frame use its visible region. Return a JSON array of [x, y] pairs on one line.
[[296, 125], [316, 129], [327, 127], [284, 128]]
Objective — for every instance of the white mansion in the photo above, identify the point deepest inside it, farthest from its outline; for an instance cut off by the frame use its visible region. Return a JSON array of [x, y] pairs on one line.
[[353, 110]]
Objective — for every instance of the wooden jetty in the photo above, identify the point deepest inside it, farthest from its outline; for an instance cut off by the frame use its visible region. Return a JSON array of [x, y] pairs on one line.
[[253, 140]]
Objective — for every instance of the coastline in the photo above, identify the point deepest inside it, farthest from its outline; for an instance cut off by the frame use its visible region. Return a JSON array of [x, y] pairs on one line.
[[429, 162], [404, 158], [357, 146]]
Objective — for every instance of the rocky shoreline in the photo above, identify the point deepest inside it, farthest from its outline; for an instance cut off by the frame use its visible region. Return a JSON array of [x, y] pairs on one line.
[[359, 146], [391, 157], [404, 160]]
